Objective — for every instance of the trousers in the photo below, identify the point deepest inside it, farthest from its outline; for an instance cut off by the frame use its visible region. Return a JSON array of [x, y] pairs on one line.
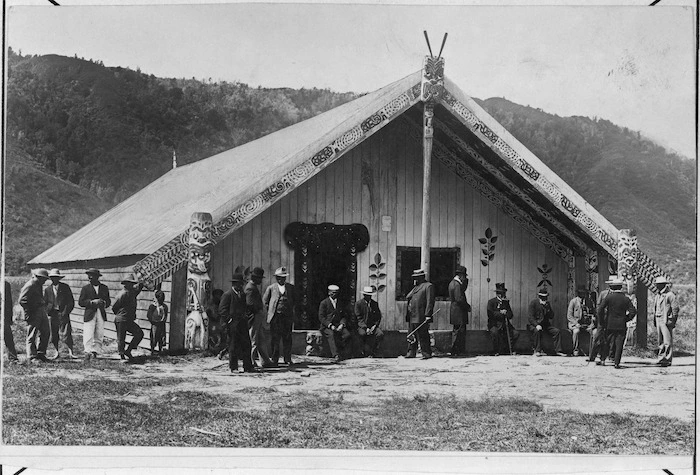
[[371, 344], [93, 334], [338, 342], [259, 333], [134, 330], [281, 332], [599, 344], [157, 335], [239, 345], [423, 337], [554, 333], [38, 330], [459, 344], [60, 329], [617, 337], [664, 334], [499, 338]]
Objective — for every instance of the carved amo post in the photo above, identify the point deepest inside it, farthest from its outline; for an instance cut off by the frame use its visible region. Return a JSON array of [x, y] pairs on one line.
[[432, 85], [627, 269], [201, 244]]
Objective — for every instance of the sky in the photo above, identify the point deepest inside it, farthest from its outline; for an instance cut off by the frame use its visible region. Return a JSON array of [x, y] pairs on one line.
[[634, 66]]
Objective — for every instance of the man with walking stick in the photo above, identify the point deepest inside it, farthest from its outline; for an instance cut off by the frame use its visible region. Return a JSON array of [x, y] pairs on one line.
[[499, 320], [419, 314]]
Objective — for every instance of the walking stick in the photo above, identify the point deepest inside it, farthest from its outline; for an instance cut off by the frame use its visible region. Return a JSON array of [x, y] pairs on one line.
[[410, 338], [510, 350]]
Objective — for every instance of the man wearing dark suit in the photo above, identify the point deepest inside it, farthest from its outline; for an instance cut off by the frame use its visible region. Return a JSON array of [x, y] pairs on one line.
[[419, 314], [232, 311], [499, 315], [94, 298], [258, 326], [620, 310], [459, 310], [7, 330], [279, 302], [540, 317], [368, 317], [59, 304], [31, 298], [334, 324], [599, 339], [124, 309]]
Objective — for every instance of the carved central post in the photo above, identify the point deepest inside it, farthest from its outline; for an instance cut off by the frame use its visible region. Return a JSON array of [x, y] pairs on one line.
[[201, 244], [627, 268], [432, 86]]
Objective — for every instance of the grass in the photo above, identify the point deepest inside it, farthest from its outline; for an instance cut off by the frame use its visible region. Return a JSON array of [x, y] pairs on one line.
[[54, 411]]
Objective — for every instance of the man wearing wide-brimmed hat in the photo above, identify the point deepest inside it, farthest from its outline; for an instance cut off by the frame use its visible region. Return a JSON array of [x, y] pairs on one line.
[[368, 317], [420, 302], [232, 311], [59, 304], [94, 298], [540, 320], [459, 310], [280, 303], [258, 326], [666, 310], [578, 316], [499, 315], [334, 321], [31, 299], [124, 309], [620, 310]]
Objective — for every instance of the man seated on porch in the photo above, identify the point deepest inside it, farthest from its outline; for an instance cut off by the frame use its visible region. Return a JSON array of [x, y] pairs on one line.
[[500, 316], [540, 318], [579, 316], [368, 316], [334, 324]]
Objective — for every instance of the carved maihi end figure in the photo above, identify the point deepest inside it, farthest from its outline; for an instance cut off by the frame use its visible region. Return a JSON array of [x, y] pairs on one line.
[[201, 244]]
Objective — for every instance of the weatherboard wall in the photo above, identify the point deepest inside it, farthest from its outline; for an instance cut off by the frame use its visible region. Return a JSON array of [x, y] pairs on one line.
[[382, 177]]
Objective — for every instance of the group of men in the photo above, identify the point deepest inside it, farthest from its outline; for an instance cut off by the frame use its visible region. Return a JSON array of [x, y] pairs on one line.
[[258, 325], [46, 311]]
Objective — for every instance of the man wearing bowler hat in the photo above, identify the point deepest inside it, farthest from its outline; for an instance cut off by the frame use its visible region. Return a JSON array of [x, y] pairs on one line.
[[459, 310], [419, 314], [368, 317], [232, 311], [124, 309], [620, 310], [334, 324], [59, 304], [666, 310], [540, 318], [499, 323], [279, 302], [94, 298], [31, 299], [258, 326]]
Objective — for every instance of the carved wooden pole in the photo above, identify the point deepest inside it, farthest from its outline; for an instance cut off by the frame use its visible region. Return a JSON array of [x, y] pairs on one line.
[[432, 85], [627, 268], [201, 244]]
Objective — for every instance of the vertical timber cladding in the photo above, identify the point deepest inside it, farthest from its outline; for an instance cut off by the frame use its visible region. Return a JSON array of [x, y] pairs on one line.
[[113, 271], [379, 184]]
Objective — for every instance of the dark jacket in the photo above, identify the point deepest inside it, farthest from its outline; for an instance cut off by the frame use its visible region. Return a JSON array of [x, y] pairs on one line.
[[272, 296], [493, 311], [538, 314], [31, 299], [63, 300], [620, 310], [125, 304], [459, 308], [367, 315], [232, 308], [8, 304], [420, 302], [253, 301], [329, 315], [87, 295]]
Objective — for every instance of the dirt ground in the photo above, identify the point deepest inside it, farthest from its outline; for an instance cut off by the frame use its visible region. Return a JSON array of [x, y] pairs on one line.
[[640, 387]]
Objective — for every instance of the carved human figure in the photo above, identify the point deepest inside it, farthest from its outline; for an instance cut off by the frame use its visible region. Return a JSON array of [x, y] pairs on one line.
[[201, 244]]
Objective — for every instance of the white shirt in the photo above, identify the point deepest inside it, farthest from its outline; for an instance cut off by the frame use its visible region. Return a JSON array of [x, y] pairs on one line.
[[282, 288], [334, 302], [97, 288]]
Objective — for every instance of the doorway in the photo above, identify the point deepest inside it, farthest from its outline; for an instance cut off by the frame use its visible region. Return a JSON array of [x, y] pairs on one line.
[[324, 254]]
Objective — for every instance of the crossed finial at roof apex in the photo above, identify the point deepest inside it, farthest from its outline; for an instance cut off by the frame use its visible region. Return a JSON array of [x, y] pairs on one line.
[[444, 38]]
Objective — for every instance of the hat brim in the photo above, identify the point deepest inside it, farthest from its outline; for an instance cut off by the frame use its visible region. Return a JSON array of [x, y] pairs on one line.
[[281, 275], [500, 290], [97, 273], [51, 276], [368, 293], [130, 281]]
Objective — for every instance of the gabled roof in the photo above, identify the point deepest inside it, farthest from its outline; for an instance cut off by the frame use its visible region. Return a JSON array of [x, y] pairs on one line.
[[237, 185]]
